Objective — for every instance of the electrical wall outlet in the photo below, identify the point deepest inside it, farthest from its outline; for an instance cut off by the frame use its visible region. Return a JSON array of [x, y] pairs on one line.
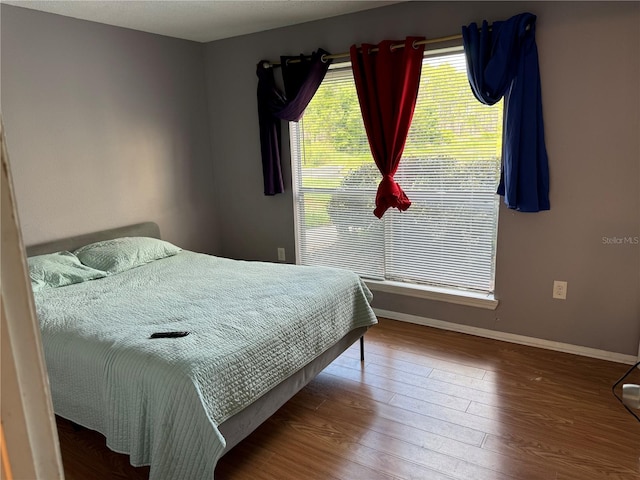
[[560, 289], [281, 255]]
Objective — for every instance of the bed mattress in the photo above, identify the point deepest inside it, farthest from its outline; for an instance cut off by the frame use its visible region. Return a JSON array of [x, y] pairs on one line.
[[251, 325]]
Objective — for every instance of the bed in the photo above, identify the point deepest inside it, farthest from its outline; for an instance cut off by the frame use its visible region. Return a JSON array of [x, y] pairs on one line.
[[259, 332]]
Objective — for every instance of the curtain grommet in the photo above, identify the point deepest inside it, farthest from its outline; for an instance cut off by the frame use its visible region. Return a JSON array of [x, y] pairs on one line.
[[323, 58], [414, 45]]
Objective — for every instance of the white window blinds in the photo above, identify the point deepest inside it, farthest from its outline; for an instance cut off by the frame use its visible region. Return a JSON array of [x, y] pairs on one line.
[[449, 171]]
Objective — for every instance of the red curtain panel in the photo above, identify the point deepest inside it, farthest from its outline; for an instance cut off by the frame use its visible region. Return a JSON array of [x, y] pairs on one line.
[[387, 83]]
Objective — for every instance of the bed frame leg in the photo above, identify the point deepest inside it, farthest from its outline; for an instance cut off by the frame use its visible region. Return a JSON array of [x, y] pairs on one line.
[[362, 348], [76, 427]]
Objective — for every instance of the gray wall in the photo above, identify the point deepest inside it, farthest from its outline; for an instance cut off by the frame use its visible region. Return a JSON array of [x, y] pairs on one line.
[[105, 126], [590, 69]]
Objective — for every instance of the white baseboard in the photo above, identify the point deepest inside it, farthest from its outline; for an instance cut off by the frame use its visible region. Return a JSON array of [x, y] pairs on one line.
[[510, 337]]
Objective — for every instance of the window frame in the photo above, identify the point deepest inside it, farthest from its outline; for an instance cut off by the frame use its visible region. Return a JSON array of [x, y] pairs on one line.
[[473, 298]]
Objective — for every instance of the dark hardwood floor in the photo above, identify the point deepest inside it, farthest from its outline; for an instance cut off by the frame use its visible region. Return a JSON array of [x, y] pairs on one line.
[[427, 404]]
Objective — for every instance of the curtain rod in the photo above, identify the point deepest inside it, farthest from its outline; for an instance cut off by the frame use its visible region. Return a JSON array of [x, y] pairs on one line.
[[397, 45]]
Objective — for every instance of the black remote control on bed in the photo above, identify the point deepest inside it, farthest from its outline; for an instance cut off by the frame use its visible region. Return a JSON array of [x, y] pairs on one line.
[[169, 334]]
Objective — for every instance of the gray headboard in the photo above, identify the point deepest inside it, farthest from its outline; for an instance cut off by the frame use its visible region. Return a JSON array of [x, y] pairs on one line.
[[146, 229]]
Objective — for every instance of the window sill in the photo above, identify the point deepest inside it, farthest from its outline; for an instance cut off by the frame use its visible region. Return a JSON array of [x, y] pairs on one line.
[[459, 297]]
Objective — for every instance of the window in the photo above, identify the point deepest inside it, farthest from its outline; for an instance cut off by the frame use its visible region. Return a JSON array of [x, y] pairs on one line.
[[449, 171]]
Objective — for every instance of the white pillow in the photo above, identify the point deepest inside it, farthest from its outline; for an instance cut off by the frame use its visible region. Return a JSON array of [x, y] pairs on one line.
[[58, 270], [120, 254]]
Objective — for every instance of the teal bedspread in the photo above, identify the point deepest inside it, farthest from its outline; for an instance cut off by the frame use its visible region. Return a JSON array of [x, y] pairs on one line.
[[252, 324]]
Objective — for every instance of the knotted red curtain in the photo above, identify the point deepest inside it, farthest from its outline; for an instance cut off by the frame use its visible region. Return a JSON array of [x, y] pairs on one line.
[[387, 84]]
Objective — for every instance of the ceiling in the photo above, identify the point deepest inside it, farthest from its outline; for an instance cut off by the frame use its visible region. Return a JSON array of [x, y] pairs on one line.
[[203, 20]]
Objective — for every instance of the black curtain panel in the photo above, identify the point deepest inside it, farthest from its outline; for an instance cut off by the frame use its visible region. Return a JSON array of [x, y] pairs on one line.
[[502, 61], [301, 81]]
